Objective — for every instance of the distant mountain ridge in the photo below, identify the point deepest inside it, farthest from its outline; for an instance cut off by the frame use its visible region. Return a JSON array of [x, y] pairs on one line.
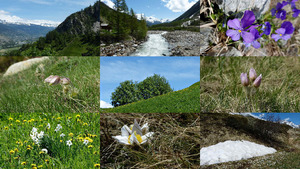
[[193, 12]]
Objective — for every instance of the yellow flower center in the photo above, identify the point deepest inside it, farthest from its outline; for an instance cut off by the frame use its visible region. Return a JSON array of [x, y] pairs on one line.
[[280, 34], [240, 31], [139, 137]]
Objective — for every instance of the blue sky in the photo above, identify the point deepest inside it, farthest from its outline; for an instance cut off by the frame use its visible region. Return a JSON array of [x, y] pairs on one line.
[[293, 117], [53, 10], [181, 72], [160, 9]]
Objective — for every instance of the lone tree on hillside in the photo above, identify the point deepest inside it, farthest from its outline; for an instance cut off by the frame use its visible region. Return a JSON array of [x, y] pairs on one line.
[[129, 92]]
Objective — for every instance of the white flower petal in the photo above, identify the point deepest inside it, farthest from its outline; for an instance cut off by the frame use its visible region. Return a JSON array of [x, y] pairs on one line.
[[125, 131], [121, 139], [146, 137], [136, 127]]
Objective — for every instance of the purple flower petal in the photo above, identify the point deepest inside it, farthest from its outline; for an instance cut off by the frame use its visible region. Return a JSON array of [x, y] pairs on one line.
[[276, 37], [256, 44], [267, 29], [247, 36], [234, 34], [235, 23], [247, 45], [281, 14], [296, 12], [288, 26], [248, 19], [273, 11], [280, 31], [286, 37], [255, 33]]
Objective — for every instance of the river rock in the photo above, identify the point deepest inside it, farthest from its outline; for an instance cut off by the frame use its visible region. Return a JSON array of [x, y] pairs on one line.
[[232, 51], [259, 7], [23, 65], [206, 36]]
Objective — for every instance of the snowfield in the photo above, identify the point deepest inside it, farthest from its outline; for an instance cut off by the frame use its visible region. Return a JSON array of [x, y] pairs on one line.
[[232, 151]]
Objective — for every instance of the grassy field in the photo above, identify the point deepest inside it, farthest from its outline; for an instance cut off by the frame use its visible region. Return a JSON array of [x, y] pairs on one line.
[[175, 143], [19, 150], [182, 101], [221, 89], [221, 127], [27, 92]]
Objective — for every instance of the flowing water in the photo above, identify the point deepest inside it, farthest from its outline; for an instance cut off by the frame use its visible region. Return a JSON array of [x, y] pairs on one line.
[[156, 45]]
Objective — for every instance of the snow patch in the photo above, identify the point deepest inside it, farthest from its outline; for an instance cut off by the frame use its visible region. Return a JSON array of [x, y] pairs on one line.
[[152, 19], [232, 151]]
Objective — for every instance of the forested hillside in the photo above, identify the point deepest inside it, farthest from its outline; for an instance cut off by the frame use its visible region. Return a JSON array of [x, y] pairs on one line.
[[121, 23], [78, 35]]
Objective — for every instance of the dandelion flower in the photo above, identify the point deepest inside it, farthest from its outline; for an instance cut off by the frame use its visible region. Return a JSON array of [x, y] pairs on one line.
[[90, 146], [97, 165], [77, 116], [23, 163], [71, 134], [10, 119], [17, 121], [11, 151]]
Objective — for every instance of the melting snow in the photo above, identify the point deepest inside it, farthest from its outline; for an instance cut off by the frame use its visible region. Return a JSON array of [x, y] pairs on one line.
[[232, 151]]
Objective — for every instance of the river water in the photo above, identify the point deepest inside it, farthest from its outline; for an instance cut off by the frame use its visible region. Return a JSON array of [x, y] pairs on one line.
[[156, 45]]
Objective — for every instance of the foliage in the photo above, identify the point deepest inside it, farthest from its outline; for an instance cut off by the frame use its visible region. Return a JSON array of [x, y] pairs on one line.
[[27, 90], [20, 151], [129, 92], [182, 101]]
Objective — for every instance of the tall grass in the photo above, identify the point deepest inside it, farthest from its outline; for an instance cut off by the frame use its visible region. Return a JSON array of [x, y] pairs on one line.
[[221, 89], [19, 150], [27, 92], [175, 144]]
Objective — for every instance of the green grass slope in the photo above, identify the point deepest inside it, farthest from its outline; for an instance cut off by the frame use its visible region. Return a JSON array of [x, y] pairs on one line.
[[74, 48], [220, 127], [183, 101], [27, 92]]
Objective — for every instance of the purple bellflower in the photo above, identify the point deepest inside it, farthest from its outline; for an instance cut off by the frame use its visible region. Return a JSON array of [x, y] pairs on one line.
[[239, 27], [280, 13], [284, 32], [255, 43], [244, 79]]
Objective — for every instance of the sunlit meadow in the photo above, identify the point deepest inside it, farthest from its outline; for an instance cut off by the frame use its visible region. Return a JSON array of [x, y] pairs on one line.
[[49, 140]]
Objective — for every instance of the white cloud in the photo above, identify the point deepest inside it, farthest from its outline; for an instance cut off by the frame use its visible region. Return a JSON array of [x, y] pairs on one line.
[[108, 3], [6, 17], [42, 2], [179, 5], [104, 104]]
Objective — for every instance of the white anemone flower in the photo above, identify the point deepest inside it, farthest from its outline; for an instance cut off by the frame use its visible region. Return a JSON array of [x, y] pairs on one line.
[[135, 135], [86, 142], [62, 135], [69, 143], [58, 127], [48, 126], [45, 151]]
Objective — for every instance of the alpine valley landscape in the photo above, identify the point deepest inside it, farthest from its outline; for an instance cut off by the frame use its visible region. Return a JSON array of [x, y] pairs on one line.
[[124, 32], [77, 35]]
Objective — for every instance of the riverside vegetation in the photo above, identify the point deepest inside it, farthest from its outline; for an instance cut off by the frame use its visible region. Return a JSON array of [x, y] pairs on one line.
[[26, 91], [64, 140]]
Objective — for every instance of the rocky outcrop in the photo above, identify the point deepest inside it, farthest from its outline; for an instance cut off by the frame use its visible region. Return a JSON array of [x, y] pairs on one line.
[[183, 43], [259, 7], [23, 65], [124, 48]]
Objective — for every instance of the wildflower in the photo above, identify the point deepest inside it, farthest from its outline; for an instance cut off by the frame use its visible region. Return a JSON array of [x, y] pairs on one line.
[[52, 80], [266, 28], [23, 163], [257, 81], [16, 150], [46, 160], [280, 13], [10, 119], [60, 141], [45, 151], [85, 124], [16, 158], [86, 142], [34, 168], [244, 79], [24, 121], [71, 134], [40, 166], [33, 165], [296, 12], [48, 126], [69, 143], [254, 43], [137, 135], [5, 128], [62, 135], [11, 152], [284, 32], [77, 116], [252, 74], [65, 81], [95, 152], [240, 27], [90, 146], [97, 165], [58, 118], [58, 127]]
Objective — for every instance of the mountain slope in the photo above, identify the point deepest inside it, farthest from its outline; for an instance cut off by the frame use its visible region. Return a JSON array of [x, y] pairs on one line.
[[193, 12], [183, 101], [81, 28]]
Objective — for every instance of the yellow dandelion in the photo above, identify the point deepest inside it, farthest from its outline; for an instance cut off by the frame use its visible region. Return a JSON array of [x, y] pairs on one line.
[[10, 124], [10, 119], [40, 166], [97, 165], [58, 118], [25, 141], [60, 141], [85, 124], [71, 134], [16, 158], [33, 165], [17, 121], [11, 152], [23, 163], [41, 152], [95, 152], [6, 128], [69, 117], [77, 116], [40, 125], [47, 161], [24, 121], [90, 146], [16, 150]]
